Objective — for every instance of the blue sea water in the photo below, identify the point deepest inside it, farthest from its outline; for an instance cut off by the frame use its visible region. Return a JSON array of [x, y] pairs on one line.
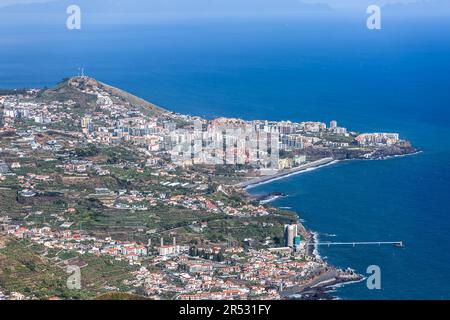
[[295, 67]]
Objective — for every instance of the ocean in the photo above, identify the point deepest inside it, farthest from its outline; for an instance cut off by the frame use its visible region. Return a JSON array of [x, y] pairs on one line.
[[316, 66]]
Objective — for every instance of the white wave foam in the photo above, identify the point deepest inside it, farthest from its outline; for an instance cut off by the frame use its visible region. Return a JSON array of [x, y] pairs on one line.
[[329, 234], [271, 199], [290, 175], [316, 247]]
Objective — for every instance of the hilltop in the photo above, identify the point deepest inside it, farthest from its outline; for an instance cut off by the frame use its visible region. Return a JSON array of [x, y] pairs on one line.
[[84, 91]]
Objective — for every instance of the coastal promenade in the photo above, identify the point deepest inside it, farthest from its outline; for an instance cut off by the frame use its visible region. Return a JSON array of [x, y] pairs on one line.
[[310, 165]]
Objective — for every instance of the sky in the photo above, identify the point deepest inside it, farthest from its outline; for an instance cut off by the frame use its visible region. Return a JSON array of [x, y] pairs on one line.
[[332, 3], [186, 6], [359, 3], [4, 3]]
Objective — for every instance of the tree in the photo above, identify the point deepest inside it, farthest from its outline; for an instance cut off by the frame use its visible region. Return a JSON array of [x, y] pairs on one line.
[[220, 257], [89, 151], [193, 251]]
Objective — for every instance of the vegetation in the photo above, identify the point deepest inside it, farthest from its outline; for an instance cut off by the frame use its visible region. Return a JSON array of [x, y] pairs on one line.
[[37, 272]]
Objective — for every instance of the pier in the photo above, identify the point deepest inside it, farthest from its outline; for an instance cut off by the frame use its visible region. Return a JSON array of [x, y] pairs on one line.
[[357, 243]]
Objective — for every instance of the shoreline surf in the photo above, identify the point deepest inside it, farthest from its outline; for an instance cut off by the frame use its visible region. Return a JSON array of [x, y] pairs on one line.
[[315, 234], [252, 183], [255, 182]]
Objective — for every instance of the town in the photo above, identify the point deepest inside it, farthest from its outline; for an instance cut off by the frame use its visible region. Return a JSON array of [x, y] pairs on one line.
[[150, 203]]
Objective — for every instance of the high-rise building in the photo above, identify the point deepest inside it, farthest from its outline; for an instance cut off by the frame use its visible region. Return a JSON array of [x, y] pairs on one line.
[[333, 124], [290, 232], [85, 122]]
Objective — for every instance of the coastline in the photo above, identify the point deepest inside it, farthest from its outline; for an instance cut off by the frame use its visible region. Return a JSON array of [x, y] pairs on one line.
[[323, 276], [393, 156], [311, 166], [321, 286], [286, 173]]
